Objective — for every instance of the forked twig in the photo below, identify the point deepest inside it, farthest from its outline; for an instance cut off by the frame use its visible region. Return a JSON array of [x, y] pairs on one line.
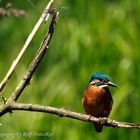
[[43, 47], [26, 45]]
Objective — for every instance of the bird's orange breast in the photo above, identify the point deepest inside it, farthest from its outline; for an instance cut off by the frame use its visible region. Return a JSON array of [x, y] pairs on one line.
[[97, 101]]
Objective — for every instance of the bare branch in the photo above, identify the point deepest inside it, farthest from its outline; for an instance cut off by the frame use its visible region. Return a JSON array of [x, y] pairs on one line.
[[44, 46], [66, 113], [27, 43]]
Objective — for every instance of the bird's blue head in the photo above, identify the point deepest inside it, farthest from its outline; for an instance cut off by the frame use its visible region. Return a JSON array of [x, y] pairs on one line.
[[100, 76], [103, 80]]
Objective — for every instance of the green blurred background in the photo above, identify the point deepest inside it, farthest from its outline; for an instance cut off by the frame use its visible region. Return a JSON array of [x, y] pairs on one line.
[[91, 36]]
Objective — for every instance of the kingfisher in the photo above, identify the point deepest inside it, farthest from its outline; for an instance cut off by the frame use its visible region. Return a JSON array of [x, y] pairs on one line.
[[97, 100]]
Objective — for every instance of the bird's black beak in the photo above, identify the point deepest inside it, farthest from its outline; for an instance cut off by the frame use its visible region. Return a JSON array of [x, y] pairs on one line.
[[111, 84]]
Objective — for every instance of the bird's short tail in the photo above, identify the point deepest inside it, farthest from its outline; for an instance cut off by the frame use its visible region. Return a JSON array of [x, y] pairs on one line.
[[98, 127]]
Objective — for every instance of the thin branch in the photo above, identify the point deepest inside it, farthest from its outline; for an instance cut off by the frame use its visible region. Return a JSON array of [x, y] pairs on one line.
[[44, 46], [66, 113], [27, 43]]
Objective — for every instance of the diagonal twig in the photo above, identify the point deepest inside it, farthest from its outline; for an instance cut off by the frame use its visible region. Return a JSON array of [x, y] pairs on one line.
[[44, 46], [27, 43]]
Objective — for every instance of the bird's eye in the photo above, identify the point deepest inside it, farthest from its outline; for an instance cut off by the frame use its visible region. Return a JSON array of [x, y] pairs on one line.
[[101, 80]]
